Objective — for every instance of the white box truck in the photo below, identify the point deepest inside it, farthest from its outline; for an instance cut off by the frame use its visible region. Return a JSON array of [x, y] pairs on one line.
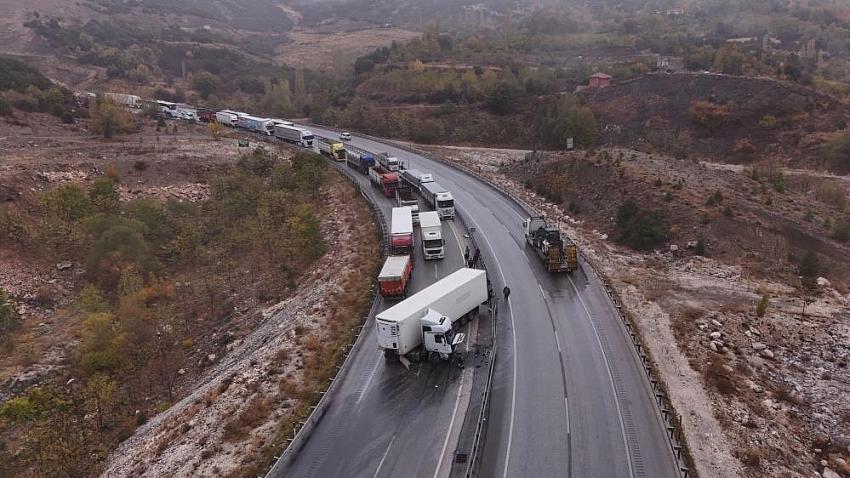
[[294, 134], [424, 324], [133, 101], [432, 235], [439, 199], [227, 118]]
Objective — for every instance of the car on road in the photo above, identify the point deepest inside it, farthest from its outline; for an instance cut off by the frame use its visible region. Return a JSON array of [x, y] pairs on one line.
[[345, 136]]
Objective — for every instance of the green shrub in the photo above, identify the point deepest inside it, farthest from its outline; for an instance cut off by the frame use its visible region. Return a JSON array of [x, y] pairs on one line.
[[91, 300], [700, 247], [9, 318], [841, 231], [761, 308], [25, 104], [5, 107], [67, 202], [641, 229], [32, 406], [104, 195], [102, 345], [768, 122], [810, 269]]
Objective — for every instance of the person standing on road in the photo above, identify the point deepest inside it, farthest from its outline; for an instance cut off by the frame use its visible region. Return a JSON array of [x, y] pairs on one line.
[[466, 254], [476, 256], [507, 292]]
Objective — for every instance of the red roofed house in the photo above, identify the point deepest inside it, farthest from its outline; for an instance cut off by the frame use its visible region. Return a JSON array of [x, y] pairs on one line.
[[600, 80]]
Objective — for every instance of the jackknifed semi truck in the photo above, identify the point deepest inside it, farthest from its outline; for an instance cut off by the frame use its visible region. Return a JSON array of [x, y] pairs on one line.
[[558, 252], [431, 230], [395, 276], [425, 324], [330, 148], [401, 232], [439, 199]]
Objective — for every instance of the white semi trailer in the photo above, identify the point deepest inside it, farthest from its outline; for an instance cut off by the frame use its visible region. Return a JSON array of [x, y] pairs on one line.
[[294, 134], [423, 325]]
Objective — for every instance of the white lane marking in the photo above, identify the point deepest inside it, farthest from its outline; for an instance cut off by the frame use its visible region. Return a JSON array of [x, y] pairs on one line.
[[457, 238], [381, 463], [541, 290], [610, 376], [368, 381], [513, 337], [558, 342], [454, 415], [435, 272], [567, 408]]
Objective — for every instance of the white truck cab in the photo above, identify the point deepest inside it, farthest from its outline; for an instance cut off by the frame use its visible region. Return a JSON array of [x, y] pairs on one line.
[[438, 335]]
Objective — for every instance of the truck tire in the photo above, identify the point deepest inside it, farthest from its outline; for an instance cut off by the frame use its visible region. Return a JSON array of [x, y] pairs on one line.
[[390, 356]]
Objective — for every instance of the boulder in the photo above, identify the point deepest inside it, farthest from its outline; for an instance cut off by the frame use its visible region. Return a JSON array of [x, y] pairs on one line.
[[827, 473], [715, 335], [767, 353], [674, 248], [64, 266], [759, 346], [822, 281], [716, 323]]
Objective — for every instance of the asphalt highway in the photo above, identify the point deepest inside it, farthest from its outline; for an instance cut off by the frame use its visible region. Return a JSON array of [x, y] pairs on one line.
[[569, 396]]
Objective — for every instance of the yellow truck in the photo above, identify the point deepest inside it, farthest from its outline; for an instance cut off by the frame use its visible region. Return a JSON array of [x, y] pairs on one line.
[[332, 149]]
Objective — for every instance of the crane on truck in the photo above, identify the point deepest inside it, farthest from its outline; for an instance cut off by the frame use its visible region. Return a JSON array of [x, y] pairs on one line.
[[558, 252], [425, 324]]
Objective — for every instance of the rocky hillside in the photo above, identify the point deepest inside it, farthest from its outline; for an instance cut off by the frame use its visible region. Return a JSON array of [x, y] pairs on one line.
[[759, 218]]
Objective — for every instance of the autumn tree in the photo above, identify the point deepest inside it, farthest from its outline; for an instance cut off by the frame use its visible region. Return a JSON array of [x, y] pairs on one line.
[[216, 129], [206, 84], [109, 119]]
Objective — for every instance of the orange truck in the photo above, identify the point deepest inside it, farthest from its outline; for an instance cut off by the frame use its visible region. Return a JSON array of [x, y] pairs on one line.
[[395, 276]]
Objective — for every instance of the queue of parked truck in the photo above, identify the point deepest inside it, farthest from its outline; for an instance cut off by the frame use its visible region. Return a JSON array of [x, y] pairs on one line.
[[425, 324]]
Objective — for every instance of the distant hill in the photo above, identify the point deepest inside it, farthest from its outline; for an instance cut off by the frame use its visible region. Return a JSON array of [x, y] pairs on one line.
[[720, 117], [17, 76]]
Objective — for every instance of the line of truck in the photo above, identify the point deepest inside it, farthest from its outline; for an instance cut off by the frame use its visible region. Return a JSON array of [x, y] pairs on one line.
[[425, 324]]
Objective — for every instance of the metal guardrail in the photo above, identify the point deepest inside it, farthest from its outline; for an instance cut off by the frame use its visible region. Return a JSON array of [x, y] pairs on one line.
[[303, 429], [485, 398]]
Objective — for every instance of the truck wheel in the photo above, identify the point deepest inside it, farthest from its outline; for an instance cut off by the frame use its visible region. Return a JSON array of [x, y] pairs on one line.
[[390, 356]]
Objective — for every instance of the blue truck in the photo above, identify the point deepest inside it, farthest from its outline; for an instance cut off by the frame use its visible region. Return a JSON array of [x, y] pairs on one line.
[[359, 159]]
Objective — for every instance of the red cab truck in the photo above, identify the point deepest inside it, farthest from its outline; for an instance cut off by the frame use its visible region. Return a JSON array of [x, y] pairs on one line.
[[401, 232], [394, 276], [381, 178]]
